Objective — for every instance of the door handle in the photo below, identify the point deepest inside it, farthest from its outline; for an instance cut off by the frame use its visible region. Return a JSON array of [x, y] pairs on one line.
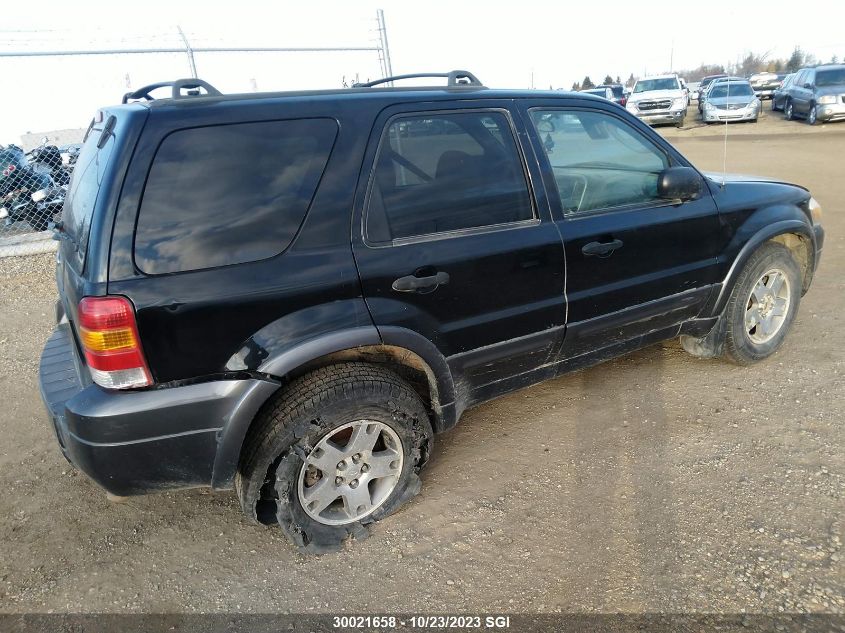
[[601, 249], [413, 284]]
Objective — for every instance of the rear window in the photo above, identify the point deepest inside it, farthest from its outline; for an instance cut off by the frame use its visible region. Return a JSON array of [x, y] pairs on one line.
[[229, 194]]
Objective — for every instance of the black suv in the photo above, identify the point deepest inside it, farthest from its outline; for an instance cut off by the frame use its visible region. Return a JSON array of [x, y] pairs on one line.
[[291, 294]]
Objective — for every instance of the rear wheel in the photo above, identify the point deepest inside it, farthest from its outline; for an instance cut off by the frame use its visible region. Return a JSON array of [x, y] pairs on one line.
[[788, 111], [339, 449]]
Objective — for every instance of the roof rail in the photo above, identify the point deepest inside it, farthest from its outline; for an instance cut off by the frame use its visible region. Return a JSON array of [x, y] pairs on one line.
[[456, 79], [191, 85]]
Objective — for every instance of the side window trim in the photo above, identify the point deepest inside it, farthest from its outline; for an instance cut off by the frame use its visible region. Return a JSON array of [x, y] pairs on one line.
[[430, 237], [570, 216]]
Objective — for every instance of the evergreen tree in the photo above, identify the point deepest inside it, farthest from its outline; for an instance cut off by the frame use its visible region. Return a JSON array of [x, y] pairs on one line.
[[608, 79], [576, 86], [796, 60], [587, 83]]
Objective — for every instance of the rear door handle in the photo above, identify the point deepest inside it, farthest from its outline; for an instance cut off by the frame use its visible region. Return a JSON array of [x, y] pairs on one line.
[[601, 249], [413, 284]]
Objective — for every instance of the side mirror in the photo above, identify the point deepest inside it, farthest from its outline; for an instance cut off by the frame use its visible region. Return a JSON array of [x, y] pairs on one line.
[[679, 183], [808, 85]]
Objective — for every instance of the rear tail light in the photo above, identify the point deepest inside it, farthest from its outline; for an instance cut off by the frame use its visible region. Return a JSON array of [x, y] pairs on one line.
[[110, 340]]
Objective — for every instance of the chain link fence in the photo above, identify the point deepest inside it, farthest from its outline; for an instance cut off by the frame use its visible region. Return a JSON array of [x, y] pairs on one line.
[[33, 186]]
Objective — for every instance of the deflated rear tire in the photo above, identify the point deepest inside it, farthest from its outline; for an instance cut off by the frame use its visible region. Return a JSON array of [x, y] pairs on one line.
[[339, 449]]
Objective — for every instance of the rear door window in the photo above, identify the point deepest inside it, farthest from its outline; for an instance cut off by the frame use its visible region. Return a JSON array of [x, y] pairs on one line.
[[445, 172], [229, 194]]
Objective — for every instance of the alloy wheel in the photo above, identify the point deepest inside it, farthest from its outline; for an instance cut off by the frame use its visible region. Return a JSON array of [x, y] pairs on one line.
[[767, 306], [351, 472]]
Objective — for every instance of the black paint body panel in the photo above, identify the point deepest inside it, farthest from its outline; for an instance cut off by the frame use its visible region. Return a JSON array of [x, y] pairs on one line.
[[523, 302]]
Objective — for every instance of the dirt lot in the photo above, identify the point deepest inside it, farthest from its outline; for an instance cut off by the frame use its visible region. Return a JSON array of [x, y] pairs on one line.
[[656, 482]]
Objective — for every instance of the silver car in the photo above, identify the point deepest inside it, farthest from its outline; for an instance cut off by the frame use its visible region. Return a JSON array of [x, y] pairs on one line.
[[731, 101]]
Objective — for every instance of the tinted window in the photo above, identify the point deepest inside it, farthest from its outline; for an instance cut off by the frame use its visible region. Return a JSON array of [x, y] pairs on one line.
[[446, 172], [84, 188], [599, 161], [229, 194]]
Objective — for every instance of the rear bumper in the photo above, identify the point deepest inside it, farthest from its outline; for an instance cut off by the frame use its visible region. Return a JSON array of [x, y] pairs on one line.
[[133, 442]]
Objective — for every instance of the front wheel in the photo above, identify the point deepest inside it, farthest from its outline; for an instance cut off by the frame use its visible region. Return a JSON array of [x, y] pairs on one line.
[[812, 115], [339, 449], [762, 305]]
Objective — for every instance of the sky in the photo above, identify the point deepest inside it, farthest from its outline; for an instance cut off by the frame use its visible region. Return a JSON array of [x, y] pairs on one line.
[[506, 44]]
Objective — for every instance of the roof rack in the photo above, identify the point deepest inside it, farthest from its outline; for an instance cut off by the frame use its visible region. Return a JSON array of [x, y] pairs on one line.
[[192, 86], [456, 79]]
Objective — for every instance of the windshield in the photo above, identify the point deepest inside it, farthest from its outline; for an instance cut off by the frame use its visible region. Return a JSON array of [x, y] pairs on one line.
[[706, 81], [833, 77], [722, 90], [645, 85], [599, 93]]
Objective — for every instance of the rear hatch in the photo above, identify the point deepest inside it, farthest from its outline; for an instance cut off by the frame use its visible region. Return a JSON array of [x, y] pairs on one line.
[[88, 213]]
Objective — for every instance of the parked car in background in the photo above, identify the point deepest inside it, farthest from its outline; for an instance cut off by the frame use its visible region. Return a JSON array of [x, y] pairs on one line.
[[307, 352], [779, 95], [702, 99], [705, 82], [619, 94], [817, 94], [731, 101], [658, 99], [604, 93], [764, 84], [693, 89]]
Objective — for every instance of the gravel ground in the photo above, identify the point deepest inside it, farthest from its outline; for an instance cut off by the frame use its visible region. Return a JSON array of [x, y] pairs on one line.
[[655, 482]]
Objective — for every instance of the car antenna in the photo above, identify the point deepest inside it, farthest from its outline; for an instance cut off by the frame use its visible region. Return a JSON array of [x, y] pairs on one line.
[[725, 150]]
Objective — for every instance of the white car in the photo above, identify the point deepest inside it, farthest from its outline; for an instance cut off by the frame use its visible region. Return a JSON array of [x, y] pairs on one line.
[[659, 99]]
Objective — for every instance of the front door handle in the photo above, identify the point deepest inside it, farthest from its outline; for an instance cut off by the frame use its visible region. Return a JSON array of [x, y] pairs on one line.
[[601, 249], [413, 284]]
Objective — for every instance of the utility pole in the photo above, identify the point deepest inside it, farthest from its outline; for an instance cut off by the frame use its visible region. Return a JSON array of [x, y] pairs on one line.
[[672, 57], [189, 51], [385, 47]]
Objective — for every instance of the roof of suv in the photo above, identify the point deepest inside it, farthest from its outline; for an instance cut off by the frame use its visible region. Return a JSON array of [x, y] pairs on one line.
[[666, 76], [362, 96], [373, 90]]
